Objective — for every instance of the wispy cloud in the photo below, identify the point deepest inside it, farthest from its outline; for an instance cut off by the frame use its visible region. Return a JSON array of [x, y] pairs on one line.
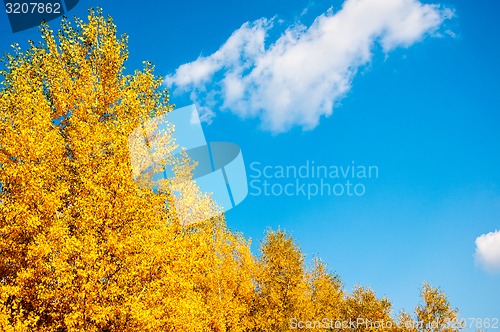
[[488, 251], [297, 79]]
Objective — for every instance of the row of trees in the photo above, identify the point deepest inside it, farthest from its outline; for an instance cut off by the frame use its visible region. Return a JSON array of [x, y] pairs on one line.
[[85, 247]]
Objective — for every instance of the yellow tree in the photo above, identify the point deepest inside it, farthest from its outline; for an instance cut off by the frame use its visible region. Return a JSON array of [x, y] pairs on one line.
[[405, 323], [83, 246], [366, 312], [325, 297], [225, 277], [435, 312], [282, 287]]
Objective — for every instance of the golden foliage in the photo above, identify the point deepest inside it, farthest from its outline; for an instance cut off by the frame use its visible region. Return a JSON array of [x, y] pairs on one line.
[[87, 245], [435, 313]]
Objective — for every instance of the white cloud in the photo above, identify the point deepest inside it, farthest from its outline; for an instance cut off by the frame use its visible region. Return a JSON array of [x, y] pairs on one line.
[[297, 79], [488, 251]]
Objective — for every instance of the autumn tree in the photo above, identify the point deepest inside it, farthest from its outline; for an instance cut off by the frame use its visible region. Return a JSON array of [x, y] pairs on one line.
[[368, 311], [282, 288], [84, 246], [405, 322], [326, 296], [435, 312]]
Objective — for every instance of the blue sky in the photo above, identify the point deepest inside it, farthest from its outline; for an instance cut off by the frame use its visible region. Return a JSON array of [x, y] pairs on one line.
[[422, 105]]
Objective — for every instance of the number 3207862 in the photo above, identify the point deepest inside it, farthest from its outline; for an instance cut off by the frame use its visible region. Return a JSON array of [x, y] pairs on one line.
[[32, 8]]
